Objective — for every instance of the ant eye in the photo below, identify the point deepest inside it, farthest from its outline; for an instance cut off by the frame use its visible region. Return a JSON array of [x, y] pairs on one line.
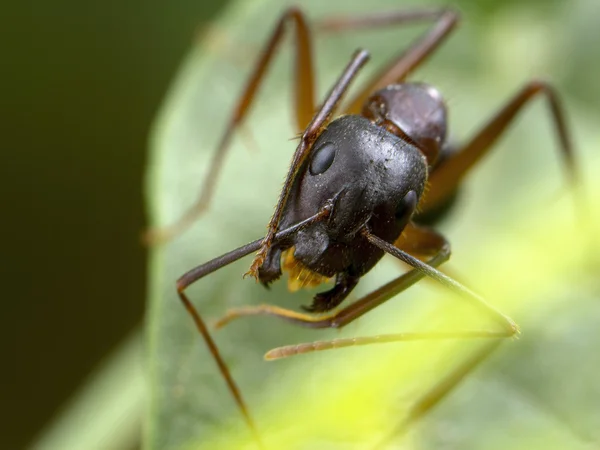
[[406, 206], [322, 159]]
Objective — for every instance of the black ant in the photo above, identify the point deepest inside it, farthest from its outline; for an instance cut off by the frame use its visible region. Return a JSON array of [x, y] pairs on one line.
[[369, 182]]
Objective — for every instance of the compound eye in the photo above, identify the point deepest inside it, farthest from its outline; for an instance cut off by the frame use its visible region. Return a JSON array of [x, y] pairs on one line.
[[406, 207], [322, 158]]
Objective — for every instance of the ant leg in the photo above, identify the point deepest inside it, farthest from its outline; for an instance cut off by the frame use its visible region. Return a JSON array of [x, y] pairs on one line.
[[415, 240], [445, 178], [189, 278], [442, 388], [408, 60], [381, 295], [424, 241], [431, 243], [510, 327], [304, 107], [312, 132], [209, 267], [420, 241]]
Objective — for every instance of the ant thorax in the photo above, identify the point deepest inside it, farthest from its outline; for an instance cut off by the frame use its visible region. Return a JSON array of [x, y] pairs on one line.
[[416, 112]]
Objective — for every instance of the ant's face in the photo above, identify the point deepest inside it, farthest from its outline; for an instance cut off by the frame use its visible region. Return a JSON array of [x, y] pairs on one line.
[[373, 179], [367, 170]]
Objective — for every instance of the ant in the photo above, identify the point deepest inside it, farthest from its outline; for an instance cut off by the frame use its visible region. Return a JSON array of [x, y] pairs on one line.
[[372, 181]]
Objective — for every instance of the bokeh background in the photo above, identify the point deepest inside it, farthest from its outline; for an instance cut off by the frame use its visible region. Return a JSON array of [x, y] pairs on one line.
[[81, 85], [81, 82]]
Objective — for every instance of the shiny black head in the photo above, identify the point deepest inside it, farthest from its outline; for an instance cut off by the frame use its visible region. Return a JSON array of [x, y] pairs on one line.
[[374, 178]]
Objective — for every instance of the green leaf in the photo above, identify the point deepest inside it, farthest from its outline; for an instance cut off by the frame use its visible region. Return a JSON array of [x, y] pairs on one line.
[[107, 411], [515, 241]]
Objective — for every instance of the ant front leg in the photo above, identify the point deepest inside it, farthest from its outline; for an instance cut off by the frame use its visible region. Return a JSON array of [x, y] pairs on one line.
[[304, 108], [431, 243], [215, 264], [423, 241], [447, 176]]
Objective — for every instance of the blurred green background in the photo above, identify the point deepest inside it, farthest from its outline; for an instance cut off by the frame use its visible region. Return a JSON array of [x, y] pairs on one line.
[[81, 82], [81, 85]]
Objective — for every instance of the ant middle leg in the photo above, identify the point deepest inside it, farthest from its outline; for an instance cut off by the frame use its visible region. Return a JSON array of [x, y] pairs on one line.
[[447, 176], [304, 94], [441, 389], [304, 86], [201, 271]]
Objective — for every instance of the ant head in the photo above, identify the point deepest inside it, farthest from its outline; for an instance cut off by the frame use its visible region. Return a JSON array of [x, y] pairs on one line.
[[371, 176], [415, 111]]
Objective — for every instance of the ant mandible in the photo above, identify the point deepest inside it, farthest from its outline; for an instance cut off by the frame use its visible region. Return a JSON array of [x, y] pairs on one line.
[[367, 183]]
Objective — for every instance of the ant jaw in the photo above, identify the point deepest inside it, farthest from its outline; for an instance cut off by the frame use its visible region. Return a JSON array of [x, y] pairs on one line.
[[323, 302], [266, 266], [259, 260], [328, 300], [270, 270], [300, 276]]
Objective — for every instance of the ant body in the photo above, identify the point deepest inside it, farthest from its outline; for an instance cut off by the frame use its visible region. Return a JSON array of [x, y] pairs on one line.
[[370, 182]]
